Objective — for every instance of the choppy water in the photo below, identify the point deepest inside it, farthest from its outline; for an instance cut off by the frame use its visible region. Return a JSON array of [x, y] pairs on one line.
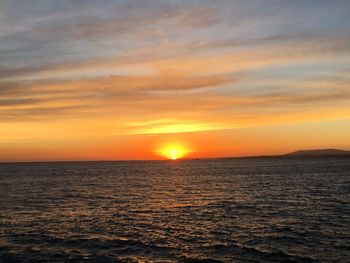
[[248, 210]]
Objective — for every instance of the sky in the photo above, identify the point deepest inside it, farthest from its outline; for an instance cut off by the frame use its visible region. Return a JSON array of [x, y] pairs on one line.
[[128, 79]]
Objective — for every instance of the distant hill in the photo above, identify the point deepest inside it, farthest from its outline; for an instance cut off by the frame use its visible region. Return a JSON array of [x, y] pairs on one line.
[[318, 153]]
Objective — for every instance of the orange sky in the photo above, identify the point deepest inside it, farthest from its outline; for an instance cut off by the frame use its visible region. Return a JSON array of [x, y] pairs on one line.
[[276, 139], [104, 81]]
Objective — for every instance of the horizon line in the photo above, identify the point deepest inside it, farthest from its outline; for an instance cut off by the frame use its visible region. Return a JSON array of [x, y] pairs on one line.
[[285, 155]]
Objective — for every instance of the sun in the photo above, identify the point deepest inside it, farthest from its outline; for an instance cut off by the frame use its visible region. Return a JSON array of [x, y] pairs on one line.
[[173, 152]]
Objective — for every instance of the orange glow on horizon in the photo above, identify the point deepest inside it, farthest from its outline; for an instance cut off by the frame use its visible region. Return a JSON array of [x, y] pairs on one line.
[[173, 151]]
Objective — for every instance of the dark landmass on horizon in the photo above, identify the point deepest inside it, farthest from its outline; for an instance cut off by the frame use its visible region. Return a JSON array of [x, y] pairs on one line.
[[319, 153], [304, 154]]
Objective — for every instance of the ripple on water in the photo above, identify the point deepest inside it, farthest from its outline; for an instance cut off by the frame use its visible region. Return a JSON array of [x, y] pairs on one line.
[[267, 210]]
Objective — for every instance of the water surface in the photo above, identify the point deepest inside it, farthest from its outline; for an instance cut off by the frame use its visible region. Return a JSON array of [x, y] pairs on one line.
[[234, 210]]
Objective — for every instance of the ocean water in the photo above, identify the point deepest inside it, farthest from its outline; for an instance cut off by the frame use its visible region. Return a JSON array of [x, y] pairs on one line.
[[229, 210]]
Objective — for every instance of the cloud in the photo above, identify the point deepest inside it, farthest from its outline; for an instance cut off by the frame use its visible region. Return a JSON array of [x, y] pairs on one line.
[[185, 99], [173, 65], [57, 34]]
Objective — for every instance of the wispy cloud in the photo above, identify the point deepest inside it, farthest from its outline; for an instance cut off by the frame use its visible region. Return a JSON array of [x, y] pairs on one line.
[[173, 66]]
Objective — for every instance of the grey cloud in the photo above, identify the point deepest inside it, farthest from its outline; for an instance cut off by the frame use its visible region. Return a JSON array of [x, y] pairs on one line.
[[18, 101], [42, 113], [41, 36], [73, 32]]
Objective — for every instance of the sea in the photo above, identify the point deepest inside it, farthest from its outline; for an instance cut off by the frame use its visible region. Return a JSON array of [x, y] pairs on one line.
[[207, 210]]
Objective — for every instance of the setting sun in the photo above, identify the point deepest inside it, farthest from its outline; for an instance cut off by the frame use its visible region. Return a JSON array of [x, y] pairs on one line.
[[173, 152]]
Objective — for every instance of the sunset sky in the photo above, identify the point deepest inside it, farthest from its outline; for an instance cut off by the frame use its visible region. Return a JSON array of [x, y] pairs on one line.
[[127, 79]]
